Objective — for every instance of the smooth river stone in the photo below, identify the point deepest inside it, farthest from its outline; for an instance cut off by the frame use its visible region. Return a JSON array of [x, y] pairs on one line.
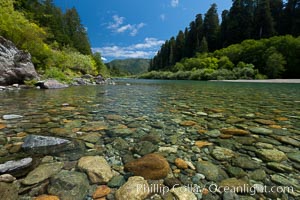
[[272, 155], [286, 181], [96, 167], [222, 154], [245, 163], [9, 117], [133, 189], [234, 131], [261, 131], [288, 140], [9, 191], [43, 144], [279, 167], [43, 172], [210, 171], [69, 185], [294, 156], [182, 193], [151, 166], [13, 165]]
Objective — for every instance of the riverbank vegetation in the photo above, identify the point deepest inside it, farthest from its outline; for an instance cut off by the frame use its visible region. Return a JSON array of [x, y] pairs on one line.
[[56, 40], [256, 39]]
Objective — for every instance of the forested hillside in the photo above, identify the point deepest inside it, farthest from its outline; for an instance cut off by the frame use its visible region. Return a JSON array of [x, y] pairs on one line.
[[128, 66], [246, 19], [57, 40]]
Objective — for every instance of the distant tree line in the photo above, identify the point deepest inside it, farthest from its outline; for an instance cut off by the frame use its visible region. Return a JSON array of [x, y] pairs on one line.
[[246, 19]]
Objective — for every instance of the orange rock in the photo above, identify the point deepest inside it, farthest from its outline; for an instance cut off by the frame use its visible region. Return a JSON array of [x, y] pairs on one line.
[[101, 191], [201, 131], [201, 144], [46, 197], [275, 126], [282, 119], [234, 131], [21, 134], [2, 126], [205, 191], [151, 166], [181, 164], [188, 123]]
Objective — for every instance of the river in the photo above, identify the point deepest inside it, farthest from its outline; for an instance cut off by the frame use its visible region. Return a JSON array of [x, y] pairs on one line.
[[176, 114]]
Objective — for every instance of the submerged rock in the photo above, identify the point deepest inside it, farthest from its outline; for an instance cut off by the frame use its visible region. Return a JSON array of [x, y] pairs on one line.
[[272, 155], [286, 181], [7, 178], [13, 166], [239, 185], [278, 167], [42, 173], [234, 131], [210, 171], [261, 131], [15, 65], [12, 116], [9, 191], [51, 84], [151, 166], [295, 156], [222, 154], [181, 164], [136, 188], [69, 185], [43, 144], [288, 140], [245, 163], [47, 197], [96, 167], [101, 191], [183, 193]]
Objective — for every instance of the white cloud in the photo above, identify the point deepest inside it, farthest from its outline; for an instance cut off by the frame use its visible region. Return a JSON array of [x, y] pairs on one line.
[[135, 28], [116, 23], [174, 3], [124, 28], [146, 49], [118, 26], [162, 17]]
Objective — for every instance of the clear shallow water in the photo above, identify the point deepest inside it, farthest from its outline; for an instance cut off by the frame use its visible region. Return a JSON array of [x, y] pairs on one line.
[[156, 100], [175, 113]]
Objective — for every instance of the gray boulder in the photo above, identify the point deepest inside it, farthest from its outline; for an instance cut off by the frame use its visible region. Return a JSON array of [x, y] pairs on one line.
[[69, 185], [14, 165], [51, 84], [44, 144], [15, 65]]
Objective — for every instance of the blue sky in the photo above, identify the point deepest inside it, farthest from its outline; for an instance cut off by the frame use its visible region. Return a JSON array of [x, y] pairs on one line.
[[120, 29]]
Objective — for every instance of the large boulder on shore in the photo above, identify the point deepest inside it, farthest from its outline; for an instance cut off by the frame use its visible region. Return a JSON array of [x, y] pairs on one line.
[[51, 84], [15, 65]]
